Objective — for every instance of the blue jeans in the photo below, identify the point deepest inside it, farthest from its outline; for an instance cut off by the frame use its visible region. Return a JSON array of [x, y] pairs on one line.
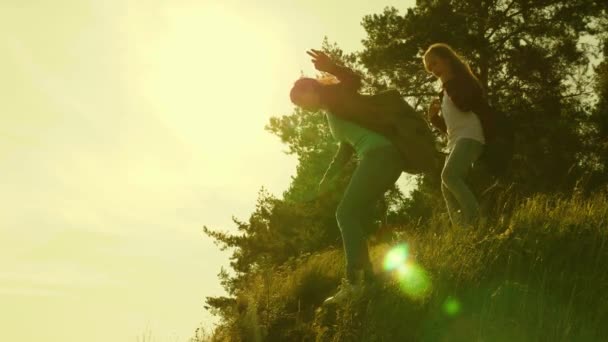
[[377, 171], [454, 188]]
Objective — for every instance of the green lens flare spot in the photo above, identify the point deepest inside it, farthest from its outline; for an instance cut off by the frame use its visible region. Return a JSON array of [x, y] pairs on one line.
[[451, 306], [396, 257], [413, 280]]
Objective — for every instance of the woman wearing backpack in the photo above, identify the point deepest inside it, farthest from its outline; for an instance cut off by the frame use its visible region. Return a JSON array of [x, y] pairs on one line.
[[356, 122], [467, 120]]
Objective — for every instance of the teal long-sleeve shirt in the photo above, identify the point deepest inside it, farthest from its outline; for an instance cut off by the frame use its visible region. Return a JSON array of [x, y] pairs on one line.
[[360, 138], [353, 139]]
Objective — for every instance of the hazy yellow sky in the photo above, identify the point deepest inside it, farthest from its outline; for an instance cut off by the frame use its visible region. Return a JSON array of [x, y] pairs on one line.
[[125, 126]]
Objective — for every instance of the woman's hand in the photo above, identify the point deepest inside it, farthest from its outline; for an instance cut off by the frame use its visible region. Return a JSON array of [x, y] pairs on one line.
[[434, 108], [321, 61]]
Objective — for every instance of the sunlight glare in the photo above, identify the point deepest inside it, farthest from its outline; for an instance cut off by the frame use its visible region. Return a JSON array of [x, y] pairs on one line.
[[451, 306], [212, 66], [414, 280], [395, 257]]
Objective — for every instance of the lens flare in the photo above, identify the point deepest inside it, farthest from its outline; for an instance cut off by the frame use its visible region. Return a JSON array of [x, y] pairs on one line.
[[413, 280], [396, 257], [451, 306]]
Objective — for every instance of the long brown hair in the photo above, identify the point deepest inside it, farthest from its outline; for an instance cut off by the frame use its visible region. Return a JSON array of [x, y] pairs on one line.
[[460, 68]]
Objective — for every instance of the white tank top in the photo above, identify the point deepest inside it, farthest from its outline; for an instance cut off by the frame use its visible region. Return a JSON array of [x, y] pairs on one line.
[[460, 124]]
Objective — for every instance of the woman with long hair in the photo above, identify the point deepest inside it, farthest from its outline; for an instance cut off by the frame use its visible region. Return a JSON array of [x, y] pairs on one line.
[[467, 120]]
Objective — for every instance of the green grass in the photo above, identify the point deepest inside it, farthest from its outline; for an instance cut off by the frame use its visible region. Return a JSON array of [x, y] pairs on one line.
[[540, 275]]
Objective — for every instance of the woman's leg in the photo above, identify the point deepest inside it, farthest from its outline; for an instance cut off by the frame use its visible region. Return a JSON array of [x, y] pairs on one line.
[[457, 165], [377, 172], [450, 203]]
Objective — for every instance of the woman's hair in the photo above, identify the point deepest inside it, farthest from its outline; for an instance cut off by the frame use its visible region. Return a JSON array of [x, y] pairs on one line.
[[306, 84], [459, 67], [303, 85]]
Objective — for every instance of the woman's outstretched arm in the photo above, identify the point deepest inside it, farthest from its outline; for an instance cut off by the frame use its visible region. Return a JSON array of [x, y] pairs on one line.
[[345, 75]]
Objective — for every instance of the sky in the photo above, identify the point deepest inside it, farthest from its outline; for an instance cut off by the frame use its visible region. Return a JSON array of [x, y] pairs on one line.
[[127, 126]]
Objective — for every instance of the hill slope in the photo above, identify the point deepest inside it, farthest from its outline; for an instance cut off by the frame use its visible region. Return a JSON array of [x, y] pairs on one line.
[[539, 275]]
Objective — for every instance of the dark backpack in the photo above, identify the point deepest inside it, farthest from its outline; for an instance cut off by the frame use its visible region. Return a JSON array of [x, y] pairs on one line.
[[409, 132], [387, 113], [498, 152]]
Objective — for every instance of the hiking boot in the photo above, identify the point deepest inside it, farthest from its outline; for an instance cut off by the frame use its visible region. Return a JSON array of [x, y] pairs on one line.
[[347, 291]]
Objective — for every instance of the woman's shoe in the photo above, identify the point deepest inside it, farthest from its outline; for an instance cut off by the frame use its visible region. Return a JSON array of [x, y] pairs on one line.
[[347, 291]]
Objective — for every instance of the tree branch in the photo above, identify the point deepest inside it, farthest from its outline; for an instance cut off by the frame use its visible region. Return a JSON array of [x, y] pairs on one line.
[[419, 94], [577, 94]]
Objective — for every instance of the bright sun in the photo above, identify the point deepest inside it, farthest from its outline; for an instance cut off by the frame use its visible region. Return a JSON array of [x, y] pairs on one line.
[[211, 66]]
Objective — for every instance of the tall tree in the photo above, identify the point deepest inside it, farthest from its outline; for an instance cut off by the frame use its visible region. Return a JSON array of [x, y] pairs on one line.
[[527, 55]]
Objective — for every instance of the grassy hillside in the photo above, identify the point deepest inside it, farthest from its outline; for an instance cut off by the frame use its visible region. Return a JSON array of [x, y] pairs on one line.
[[539, 275]]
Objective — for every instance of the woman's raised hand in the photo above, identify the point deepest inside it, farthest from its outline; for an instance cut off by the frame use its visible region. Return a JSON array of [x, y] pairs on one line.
[[321, 61]]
